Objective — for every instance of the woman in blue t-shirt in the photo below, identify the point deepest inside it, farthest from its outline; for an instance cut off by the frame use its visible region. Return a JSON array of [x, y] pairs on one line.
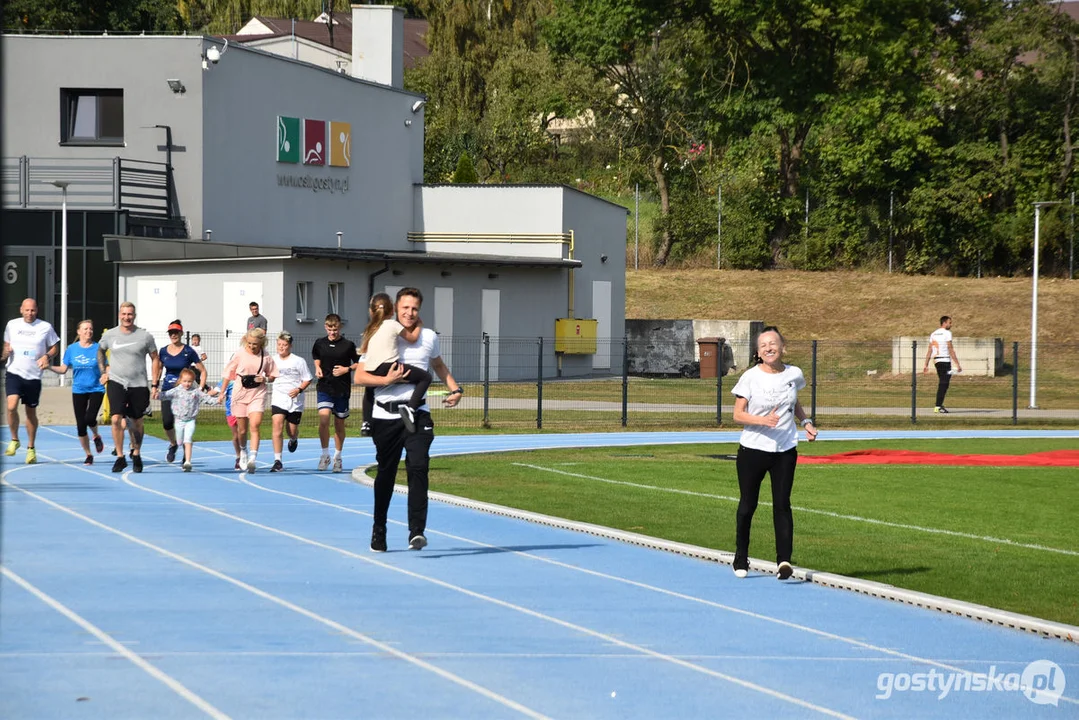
[[87, 392], [173, 358]]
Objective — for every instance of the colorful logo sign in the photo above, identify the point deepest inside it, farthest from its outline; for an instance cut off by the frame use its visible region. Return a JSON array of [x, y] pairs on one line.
[[321, 143]]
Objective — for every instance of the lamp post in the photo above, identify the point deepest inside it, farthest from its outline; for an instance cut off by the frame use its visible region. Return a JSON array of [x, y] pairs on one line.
[[62, 184], [1034, 306]]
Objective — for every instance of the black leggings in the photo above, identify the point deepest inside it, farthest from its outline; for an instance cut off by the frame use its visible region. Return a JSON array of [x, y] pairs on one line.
[[168, 420], [944, 379], [752, 466], [418, 376], [87, 406]]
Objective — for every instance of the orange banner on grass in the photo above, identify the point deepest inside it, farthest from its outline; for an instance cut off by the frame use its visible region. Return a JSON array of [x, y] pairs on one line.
[[1052, 458]]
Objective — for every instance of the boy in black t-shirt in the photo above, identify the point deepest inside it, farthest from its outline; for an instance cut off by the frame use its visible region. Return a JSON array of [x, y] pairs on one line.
[[333, 358]]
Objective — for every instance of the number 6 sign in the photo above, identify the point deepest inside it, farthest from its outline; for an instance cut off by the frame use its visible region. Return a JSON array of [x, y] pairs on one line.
[[11, 272]]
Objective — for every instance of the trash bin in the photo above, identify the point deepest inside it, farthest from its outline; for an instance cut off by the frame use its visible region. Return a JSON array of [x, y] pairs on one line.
[[710, 348]]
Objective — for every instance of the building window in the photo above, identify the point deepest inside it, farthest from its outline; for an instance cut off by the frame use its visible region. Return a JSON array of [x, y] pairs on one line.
[[303, 307], [335, 297], [91, 117]]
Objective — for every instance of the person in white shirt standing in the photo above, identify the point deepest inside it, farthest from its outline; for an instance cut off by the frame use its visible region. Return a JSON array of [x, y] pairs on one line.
[[30, 343], [767, 405], [287, 403], [943, 354]]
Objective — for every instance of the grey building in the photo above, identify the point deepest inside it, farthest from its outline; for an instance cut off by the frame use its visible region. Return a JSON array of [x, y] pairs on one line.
[[203, 176]]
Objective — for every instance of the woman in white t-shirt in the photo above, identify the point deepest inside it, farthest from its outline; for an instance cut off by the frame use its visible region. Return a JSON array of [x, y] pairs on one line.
[[767, 405]]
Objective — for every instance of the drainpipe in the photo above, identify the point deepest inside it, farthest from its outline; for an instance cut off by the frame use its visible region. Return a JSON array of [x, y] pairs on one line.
[[371, 279], [570, 312]]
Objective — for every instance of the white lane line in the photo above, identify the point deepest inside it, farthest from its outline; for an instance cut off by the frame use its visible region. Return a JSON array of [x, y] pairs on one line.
[[898, 655], [505, 604], [854, 518], [345, 630], [149, 668]]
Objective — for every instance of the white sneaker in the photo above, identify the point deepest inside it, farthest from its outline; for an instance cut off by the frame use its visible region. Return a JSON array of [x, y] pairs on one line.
[[785, 570], [252, 459], [337, 465], [243, 458], [187, 467], [324, 462], [741, 573]]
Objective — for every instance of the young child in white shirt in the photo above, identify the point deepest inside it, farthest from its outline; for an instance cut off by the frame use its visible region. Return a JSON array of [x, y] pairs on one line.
[[186, 400]]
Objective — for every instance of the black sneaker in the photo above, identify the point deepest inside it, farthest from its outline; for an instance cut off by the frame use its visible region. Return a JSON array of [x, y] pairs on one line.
[[292, 444], [277, 466], [136, 463], [417, 542], [99, 444], [237, 466], [378, 538], [89, 460], [365, 429], [785, 570], [407, 415], [170, 456], [120, 465], [114, 452]]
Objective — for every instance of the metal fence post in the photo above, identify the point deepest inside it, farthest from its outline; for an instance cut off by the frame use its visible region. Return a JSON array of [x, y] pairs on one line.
[[1015, 383], [719, 384], [625, 380], [913, 382], [539, 387], [813, 387], [486, 380]]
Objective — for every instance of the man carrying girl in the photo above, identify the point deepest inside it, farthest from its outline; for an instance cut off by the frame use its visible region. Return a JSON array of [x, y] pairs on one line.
[[379, 351]]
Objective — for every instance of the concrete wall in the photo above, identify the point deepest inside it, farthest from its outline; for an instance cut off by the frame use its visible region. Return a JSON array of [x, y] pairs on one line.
[[668, 347], [245, 93], [306, 51], [36, 67], [977, 356]]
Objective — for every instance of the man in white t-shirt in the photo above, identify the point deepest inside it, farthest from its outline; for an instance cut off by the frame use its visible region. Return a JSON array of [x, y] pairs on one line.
[[286, 403], [388, 430], [30, 343], [942, 352]]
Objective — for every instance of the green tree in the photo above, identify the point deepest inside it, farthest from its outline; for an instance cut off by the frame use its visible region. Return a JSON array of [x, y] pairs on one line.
[[93, 15], [466, 171]]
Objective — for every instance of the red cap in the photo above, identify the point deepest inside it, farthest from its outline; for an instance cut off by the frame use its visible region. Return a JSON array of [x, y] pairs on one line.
[[176, 326]]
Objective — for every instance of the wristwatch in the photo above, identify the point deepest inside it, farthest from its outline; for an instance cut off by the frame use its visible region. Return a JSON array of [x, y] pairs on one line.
[[808, 421], [458, 391]]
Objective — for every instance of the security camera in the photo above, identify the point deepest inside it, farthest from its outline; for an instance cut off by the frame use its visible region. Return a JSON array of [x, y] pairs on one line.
[[418, 105], [213, 55]]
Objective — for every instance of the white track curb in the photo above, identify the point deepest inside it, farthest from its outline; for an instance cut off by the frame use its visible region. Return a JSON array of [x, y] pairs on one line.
[[1026, 623]]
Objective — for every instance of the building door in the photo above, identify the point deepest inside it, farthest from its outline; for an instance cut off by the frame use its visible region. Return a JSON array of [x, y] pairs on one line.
[[490, 310], [155, 308], [601, 311], [27, 273], [444, 322]]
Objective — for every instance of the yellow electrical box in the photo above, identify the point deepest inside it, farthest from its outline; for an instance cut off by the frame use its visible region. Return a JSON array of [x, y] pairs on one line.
[[574, 336]]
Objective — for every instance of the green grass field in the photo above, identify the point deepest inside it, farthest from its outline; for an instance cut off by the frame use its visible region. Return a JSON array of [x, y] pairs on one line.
[[1005, 537]]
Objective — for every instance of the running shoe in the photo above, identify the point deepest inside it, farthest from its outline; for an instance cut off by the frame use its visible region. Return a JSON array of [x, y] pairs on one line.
[[120, 464], [31, 456], [136, 463], [11, 448], [337, 466], [237, 466], [785, 570], [293, 443], [89, 460], [99, 444], [252, 460], [365, 429], [170, 456], [417, 542], [187, 466], [324, 462], [243, 460], [378, 538], [741, 573], [277, 466]]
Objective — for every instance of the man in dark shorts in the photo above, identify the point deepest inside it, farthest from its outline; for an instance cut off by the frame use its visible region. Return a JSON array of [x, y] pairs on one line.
[[123, 370], [333, 357], [30, 343]]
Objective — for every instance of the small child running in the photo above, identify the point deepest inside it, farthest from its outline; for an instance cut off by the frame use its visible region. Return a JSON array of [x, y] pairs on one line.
[[186, 399], [379, 348]]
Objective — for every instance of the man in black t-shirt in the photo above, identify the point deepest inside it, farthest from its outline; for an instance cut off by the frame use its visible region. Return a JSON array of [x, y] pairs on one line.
[[333, 358]]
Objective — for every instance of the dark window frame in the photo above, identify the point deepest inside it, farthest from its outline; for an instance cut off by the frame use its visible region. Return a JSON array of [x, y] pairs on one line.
[[69, 102]]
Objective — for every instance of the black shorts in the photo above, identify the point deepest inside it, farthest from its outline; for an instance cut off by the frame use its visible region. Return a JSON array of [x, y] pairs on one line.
[[29, 391], [130, 402], [292, 417]]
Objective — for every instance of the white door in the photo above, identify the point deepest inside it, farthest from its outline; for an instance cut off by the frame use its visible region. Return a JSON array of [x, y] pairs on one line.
[[444, 322], [601, 312], [489, 322], [155, 308], [236, 299]]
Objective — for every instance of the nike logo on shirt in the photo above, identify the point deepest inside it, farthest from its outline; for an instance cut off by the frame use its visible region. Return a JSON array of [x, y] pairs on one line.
[[123, 345]]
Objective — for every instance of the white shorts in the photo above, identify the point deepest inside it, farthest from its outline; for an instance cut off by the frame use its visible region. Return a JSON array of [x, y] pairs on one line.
[[185, 431]]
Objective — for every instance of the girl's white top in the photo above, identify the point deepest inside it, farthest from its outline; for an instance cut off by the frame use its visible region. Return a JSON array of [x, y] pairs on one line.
[[766, 391]]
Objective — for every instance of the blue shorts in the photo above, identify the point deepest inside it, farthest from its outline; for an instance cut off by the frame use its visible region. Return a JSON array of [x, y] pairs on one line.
[[336, 403], [29, 391]]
